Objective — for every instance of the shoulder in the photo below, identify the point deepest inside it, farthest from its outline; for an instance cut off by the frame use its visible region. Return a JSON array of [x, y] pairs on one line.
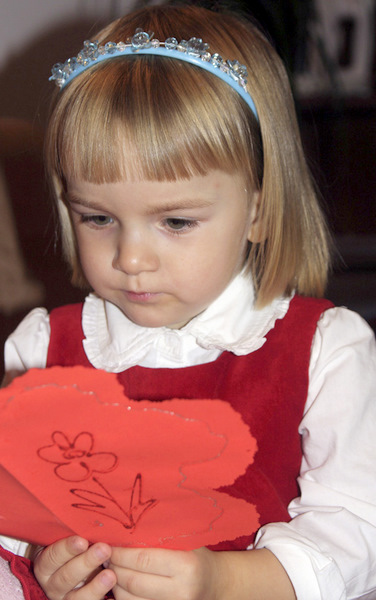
[[26, 347], [306, 307], [65, 317], [343, 357], [340, 327], [298, 325]]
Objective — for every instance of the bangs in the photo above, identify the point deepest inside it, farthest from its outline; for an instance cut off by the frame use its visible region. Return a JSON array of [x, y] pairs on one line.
[[155, 132]]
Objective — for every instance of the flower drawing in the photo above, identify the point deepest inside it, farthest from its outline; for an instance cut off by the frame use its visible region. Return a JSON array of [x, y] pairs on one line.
[[75, 459], [76, 462]]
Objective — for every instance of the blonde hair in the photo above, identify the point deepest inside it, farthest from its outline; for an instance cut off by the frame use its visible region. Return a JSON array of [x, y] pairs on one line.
[[157, 118]]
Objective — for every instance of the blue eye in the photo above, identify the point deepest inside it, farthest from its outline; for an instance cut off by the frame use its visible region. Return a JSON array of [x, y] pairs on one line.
[[98, 220], [177, 224]]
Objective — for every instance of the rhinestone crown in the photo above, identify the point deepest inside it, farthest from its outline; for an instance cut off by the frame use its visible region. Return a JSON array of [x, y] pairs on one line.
[[194, 51]]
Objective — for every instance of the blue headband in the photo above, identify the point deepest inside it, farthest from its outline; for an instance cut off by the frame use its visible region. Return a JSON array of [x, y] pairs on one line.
[[194, 51]]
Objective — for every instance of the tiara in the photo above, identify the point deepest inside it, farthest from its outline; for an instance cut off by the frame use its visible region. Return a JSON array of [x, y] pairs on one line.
[[194, 51]]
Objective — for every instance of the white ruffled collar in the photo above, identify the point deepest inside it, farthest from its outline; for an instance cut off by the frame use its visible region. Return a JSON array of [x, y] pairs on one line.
[[114, 343]]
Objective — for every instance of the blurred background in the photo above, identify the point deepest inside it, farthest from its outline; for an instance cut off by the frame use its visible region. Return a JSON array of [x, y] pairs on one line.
[[329, 49]]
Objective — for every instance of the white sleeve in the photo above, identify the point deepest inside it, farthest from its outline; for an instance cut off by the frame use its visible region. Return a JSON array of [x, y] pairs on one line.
[[15, 546], [27, 347], [329, 547]]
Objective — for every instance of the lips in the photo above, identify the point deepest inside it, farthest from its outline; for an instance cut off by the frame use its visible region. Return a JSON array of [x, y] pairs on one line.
[[141, 296]]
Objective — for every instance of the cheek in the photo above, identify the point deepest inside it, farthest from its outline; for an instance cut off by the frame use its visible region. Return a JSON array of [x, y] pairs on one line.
[[209, 269], [215, 256], [92, 245], [232, 247], [84, 250], [91, 259]]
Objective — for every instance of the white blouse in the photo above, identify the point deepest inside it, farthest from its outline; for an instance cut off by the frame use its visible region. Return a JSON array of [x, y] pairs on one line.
[[329, 547]]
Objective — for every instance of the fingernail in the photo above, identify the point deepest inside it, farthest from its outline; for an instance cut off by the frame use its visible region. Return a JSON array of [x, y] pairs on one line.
[[79, 544], [101, 553], [107, 578]]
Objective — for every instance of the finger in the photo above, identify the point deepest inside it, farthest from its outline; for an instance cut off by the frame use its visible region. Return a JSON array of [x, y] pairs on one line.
[[54, 556], [96, 589], [157, 561], [137, 585], [156, 574], [121, 594], [74, 572]]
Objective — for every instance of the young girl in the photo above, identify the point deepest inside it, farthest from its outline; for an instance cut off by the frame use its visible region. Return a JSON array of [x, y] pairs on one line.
[[186, 206]]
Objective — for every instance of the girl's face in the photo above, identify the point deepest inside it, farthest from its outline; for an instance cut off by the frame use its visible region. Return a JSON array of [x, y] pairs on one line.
[[161, 251]]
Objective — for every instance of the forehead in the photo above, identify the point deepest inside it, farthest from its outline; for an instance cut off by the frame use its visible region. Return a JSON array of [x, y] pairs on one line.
[[198, 190]]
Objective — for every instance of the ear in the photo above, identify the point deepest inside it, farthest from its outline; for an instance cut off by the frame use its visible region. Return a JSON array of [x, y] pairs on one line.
[[256, 233]]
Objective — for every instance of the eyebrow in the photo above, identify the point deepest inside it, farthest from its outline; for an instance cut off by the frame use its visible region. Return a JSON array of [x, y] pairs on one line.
[[183, 204], [72, 199]]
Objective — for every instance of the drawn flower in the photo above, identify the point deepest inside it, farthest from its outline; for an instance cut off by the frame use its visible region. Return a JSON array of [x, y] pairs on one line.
[[75, 459]]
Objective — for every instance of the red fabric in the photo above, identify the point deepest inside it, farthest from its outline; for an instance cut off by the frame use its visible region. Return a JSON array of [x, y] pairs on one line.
[[22, 569], [267, 387]]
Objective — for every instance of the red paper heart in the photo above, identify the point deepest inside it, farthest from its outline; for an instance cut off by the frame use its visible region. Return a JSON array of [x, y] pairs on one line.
[[78, 456]]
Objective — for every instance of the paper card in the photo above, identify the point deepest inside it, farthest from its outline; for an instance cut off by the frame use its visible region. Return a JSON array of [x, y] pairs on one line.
[[78, 456]]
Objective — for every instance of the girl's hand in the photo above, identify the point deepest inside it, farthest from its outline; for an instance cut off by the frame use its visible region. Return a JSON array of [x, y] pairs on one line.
[[156, 574], [70, 569], [159, 574]]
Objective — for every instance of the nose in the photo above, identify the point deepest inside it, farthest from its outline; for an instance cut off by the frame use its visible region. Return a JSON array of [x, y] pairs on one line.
[[135, 253]]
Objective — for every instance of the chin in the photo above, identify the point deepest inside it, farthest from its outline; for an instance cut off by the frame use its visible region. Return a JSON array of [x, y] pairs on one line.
[[153, 319], [151, 322]]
